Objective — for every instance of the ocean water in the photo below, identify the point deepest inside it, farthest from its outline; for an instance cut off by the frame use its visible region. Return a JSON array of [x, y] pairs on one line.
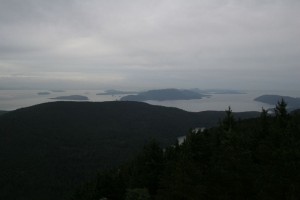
[[14, 99]]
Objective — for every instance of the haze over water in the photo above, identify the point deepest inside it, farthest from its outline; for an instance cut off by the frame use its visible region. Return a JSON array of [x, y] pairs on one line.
[[14, 99]]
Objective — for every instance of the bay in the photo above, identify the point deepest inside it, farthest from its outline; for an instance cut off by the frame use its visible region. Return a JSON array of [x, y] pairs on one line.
[[14, 99]]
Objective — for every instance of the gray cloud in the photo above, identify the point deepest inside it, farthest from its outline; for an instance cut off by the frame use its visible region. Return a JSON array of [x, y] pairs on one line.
[[243, 44]]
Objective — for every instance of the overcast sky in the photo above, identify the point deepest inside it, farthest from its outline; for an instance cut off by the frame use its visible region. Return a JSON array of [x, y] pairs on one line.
[[143, 44]]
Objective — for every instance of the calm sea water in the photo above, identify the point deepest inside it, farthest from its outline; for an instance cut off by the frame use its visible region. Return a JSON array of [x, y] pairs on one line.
[[14, 99]]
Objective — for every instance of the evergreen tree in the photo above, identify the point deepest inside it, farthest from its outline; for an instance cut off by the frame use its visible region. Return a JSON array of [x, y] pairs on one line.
[[219, 163], [264, 117], [147, 168], [137, 194], [229, 120], [281, 113]]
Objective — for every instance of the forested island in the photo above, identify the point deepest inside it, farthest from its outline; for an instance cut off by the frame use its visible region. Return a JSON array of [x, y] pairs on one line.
[[293, 103], [72, 97], [164, 95]]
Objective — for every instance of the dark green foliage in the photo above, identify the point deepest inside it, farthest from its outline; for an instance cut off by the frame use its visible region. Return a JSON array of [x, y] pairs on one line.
[[147, 167], [280, 110], [136, 180], [264, 120], [229, 121], [281, 113], [137, 194], [3, 112], [48, 150], [250, 159]]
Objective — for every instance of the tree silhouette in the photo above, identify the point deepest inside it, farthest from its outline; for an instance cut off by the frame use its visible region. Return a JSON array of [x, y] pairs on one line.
[[281, 113], [264, 117], [229, 120]]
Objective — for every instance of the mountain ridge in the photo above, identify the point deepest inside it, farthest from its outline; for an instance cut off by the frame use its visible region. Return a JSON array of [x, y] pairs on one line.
[[48, 149]]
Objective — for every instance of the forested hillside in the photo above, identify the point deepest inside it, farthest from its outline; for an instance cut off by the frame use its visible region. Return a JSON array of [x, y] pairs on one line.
[[48, 150], [249, 159], [2, 112]]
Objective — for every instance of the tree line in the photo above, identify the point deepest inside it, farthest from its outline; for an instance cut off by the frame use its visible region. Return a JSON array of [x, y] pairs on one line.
[[239, 159]]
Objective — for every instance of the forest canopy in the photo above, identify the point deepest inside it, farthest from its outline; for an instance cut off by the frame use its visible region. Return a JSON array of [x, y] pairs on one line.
[[250, 159]]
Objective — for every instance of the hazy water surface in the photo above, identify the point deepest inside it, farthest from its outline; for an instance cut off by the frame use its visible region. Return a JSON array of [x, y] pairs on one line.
[[14, 99]]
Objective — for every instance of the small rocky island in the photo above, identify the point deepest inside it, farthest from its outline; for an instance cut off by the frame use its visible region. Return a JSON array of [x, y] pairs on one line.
[[72, 97], [164, 95]]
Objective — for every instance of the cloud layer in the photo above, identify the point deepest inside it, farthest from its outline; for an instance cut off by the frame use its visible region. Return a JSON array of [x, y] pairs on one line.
[[244, 44]]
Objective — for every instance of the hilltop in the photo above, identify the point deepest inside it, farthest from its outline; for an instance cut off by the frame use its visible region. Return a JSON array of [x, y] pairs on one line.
[[72, 97], [3, 112], [49, 149], [246, 159]]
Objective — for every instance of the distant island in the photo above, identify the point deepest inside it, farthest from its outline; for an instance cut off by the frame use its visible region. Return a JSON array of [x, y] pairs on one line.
[[164, 95], [293, 103], [116, 92], [72, 97], [217, 91], [43, 93]]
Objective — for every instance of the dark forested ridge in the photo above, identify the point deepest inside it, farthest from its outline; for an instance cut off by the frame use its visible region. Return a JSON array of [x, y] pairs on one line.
[[49, 149], [72, 97], [250, 159], [2, 112]]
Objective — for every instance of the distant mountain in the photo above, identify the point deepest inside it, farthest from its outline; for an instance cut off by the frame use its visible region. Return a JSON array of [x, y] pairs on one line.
[[72, 97], [116, 92], [293, 103], [48, 150], [164, 95]]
